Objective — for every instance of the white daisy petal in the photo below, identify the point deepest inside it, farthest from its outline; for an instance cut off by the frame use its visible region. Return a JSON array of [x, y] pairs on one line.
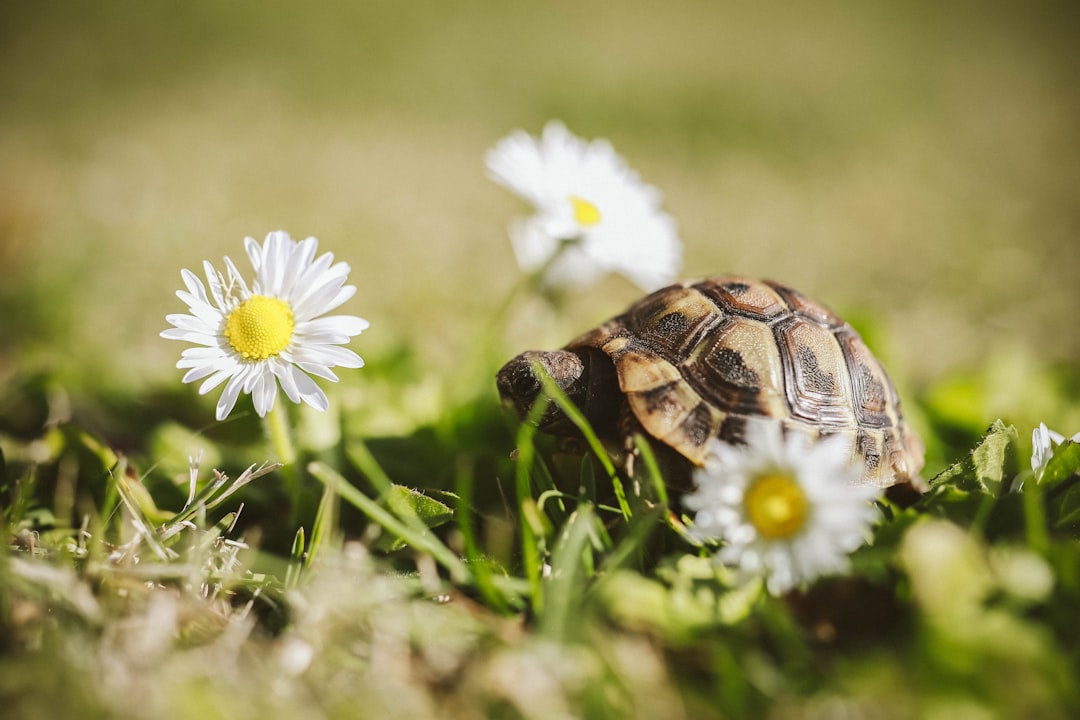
[[213, 281], [321, 277], [282, 371], [299, 260], [219, 376], [202, 356], [198, 373], [251, 374], [221, 364], [342, 357], [228, 398], [190, 336], [189, 323], [264, 392], [194, 285], [317, 340], [310, 392], [237, 286], [317, 274], [787, 509], [174, 334], [273, 332], [334, 325], [192, 299], [312, 282], [212, 317], [318, 370], [276, 252], [258, 254], [324, 301], [516, 163], [319, 299], [254, 252]]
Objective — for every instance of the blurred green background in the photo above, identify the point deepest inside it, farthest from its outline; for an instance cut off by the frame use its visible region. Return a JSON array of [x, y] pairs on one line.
[[914, 165]]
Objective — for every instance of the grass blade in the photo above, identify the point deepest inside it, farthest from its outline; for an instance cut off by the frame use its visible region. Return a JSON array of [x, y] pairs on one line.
[[296, 559], [552, 390], [530, 548], [324, 529], [648, 458], [419, 538], [565, 585], [481, 567]]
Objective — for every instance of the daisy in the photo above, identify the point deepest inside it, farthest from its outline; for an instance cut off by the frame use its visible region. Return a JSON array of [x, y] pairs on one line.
[[1043, 442], [593, 214], [787, 509], [273, 333]]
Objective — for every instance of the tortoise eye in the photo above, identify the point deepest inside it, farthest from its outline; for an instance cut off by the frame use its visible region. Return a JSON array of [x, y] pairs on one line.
[[524, 385], [517, 383]]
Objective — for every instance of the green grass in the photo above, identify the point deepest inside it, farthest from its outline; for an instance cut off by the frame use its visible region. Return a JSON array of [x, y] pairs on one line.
[[426, 555], [435, 575], [427, 571]]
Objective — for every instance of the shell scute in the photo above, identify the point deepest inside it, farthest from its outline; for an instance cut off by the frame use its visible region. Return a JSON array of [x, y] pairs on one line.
[[874, 398], [870, 446], [674, 322], [641, 369], [740, 369], [816, 374], [807, 308], [664, 411], [751, 298]]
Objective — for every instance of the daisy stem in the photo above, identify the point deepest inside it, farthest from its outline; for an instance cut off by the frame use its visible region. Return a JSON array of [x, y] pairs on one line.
[[277, 427], [495, 325]]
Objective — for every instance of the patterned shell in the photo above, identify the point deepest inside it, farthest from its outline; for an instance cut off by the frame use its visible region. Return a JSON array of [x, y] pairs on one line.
[[699, 360]]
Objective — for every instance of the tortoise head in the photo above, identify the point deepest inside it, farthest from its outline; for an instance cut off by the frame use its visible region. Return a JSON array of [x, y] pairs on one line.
[[585, 375]]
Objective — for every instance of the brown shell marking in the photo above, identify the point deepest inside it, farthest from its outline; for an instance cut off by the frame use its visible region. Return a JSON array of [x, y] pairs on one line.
[[698, 360]]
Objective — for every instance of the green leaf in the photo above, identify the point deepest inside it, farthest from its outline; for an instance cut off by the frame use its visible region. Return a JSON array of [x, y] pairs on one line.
[[1064, 463], [404, 501], [995, 457], [989, 467], [1059, 484], [974, 491], [1065, 509]]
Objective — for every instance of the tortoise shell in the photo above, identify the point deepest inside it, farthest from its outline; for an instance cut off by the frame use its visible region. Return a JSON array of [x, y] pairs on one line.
[[700, 360]]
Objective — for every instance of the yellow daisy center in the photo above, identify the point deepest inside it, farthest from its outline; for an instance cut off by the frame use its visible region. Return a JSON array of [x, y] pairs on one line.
[[585, 213], [260, 327], [776, 505]]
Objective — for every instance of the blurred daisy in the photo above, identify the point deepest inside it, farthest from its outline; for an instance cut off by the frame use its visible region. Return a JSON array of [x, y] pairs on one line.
[[1043, 442], [273, 333], [786, 509], [593, 214]]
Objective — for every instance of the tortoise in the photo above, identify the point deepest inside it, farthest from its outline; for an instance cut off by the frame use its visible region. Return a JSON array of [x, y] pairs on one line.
[[697, 360]]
